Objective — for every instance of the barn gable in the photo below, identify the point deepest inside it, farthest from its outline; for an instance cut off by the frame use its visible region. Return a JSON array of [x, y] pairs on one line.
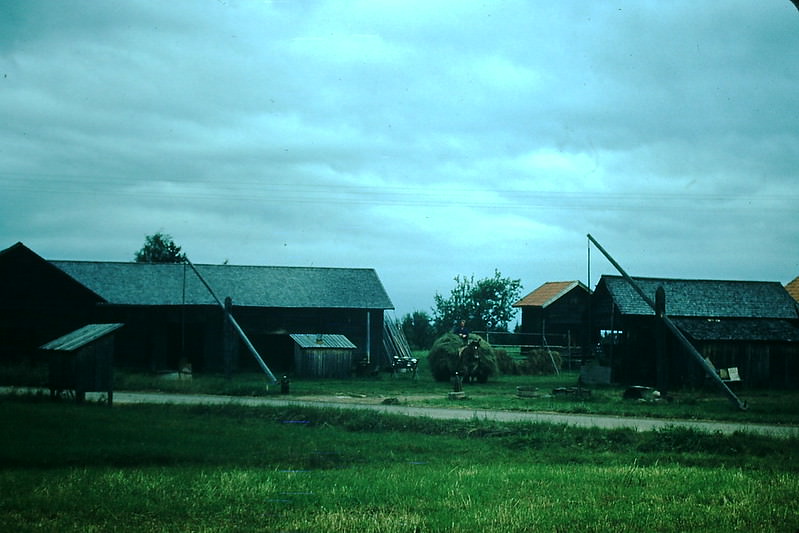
[[31, 288]]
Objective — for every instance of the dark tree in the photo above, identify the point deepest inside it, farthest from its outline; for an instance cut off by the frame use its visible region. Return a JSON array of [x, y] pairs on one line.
[[418, 330], [485, 304], [159, 248]]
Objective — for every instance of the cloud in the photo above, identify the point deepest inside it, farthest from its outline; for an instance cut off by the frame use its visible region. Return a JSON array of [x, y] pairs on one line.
[[424, 139]]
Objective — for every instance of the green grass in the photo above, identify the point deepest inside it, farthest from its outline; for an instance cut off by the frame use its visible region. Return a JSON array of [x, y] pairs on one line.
[[65, 467]]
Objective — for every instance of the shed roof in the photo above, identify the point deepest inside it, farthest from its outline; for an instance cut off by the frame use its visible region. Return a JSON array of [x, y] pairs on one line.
[[322, 340], [704, 298], [80, 337], [549, 293], [250, 286]]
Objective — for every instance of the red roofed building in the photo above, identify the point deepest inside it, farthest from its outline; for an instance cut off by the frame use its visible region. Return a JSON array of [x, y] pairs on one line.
[[793, 288], [558, 311]]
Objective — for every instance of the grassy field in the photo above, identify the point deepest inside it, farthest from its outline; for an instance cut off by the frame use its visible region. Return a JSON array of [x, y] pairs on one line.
[[67, 467]]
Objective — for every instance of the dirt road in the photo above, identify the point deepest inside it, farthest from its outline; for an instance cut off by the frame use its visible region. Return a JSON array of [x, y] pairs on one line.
[[577, 420], [600, 421]]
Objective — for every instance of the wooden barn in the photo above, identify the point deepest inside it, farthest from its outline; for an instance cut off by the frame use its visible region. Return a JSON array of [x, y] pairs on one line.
[[171, 318], [320, 355], [558, 312], [750, 325]]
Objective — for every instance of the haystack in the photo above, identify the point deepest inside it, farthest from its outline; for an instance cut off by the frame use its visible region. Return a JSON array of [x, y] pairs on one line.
[[444, 360]]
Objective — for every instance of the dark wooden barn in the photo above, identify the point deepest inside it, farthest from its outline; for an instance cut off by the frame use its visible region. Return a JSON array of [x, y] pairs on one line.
[[38, 303], [557, 311], [171, 318], [750, 325]]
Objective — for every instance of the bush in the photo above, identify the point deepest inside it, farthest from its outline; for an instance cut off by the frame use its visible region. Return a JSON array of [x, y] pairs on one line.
[[506, 364], [444, 358], [537, 362], [24, 374]]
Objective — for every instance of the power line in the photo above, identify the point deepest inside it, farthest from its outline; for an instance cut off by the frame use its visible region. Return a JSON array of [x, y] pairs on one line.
[[286, 192]]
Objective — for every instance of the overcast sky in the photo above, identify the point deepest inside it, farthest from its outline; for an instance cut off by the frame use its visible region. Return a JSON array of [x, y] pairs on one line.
[[422, 139]]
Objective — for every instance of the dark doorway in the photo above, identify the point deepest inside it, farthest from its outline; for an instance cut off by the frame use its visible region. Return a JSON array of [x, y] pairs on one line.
[[185, 345], [277, 351]]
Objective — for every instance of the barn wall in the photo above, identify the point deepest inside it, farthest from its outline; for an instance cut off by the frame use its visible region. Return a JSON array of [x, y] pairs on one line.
[[166, 338], [568, 317], [760, 364], [532, 319], [265, 325]]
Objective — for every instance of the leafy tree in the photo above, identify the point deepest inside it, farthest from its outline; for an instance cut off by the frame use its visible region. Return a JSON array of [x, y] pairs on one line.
[[485, 304], [418, 330], [159, 248]]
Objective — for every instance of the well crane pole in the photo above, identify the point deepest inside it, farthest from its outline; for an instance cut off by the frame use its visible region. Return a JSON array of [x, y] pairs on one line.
[[235, 325]]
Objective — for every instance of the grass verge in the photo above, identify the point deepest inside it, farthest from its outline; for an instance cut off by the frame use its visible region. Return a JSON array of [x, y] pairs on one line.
[[230, 468]]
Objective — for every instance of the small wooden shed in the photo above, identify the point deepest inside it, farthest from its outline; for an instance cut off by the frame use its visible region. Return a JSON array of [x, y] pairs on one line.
[[322, 355], [83, 361], [556, 314]]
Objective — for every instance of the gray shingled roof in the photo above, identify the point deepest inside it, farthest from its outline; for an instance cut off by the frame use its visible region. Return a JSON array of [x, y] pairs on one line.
[[705, 298], [81, 337], [252, 286]]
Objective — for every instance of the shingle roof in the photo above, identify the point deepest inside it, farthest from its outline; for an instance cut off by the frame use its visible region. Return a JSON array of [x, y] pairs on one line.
[[80, 337], [548, 293], [705, 298], [253, 286]]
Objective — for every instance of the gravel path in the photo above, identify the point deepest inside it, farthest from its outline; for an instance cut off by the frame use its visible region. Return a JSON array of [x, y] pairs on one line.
[[600, 421], [577, 420]]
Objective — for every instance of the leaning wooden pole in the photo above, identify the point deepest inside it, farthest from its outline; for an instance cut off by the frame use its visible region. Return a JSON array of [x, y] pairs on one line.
[[235, 325], [740, 404]]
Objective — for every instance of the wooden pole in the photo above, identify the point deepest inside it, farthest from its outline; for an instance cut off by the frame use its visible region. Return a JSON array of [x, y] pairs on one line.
[[236, 326], [660, 341]]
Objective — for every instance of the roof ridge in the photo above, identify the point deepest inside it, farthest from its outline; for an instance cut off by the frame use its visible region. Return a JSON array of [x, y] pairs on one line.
[[562, 287], [136, 263], [693, 280]]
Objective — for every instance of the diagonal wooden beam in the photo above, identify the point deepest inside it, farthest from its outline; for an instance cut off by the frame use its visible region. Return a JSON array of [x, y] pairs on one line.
[[235, 325]]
